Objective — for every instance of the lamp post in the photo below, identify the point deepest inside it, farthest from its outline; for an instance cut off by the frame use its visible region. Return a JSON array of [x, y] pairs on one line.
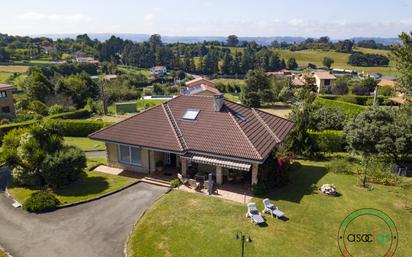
[[244, 238]]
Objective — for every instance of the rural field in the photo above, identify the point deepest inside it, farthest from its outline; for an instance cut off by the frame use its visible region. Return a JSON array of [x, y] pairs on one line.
[[7, 70]]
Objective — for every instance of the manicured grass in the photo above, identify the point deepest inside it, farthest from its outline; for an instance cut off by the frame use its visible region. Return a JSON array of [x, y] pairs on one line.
[[341, 60], [84, 143], [232, 97], [4, 76], [240, 82], [278, 110], [135, 71], [93, 184], [143, 103], [13, 68], [187, 224], [348, 109]]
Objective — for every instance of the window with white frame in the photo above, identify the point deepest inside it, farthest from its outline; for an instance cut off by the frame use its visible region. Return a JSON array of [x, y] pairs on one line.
[[3, 94], [129, 155]]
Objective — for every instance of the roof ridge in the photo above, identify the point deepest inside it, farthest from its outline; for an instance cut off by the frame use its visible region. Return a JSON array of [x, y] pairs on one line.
[[265, 125], [244, 134], [175, 127]]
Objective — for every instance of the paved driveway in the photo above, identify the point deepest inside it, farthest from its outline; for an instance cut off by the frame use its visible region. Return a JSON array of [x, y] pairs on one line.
[[95, 229]]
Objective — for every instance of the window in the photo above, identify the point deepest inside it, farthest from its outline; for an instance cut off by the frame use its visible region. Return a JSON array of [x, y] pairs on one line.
[[327, 82], [191, 114], [5, 109], [3, 94], [129, 155]]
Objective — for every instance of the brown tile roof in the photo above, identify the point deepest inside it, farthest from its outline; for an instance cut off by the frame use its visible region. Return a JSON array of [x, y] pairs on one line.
[[6, 87], [235, 132], [386, 82], [200, 81]]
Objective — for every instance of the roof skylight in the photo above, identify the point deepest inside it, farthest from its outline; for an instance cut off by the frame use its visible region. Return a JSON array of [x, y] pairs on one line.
[[191, 114]]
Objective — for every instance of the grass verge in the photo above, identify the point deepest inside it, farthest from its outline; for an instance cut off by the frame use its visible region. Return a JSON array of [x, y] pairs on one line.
[[84, 143]]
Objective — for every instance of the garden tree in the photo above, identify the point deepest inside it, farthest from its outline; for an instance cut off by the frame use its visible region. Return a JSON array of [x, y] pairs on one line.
[[327, 118], [210, 63], [380, 133], [4, 55], [37, 86], [84, 39], [78, 88], [25, 151], [292, 64], [360, 90], [340, 88], [370, 84], [157, 89], [256, 84], [110, 49], [402, 54], [344, 46], [327, 61], [232, 41], [299, 141]]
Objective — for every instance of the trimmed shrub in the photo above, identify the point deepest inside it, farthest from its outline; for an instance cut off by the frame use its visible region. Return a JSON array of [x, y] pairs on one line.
[[175, 182], [78, 114], [42, 201], [329, 141], [350, 110], [63, 167], [8, 127], [78, 128], [56, 109]]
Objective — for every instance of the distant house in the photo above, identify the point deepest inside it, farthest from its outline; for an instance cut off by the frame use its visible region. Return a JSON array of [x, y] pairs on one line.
[[200, 86], [49, 50], [324, 80], [158, 70], [6, 99], [387, 82], [86, 60], [105, 77]]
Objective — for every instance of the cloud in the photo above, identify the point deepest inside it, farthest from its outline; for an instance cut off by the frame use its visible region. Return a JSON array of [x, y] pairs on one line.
[[35, 16], [149, 17]]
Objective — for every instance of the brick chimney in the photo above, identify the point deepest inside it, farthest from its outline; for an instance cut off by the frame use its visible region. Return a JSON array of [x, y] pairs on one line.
[[218, 102]]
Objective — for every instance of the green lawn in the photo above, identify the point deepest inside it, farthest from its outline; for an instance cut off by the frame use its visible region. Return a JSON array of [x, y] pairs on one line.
[[4, 76], [187, 224], [91, 185], [13, 68], [2, 254], [240, 82], [84, 143], [232, 97], [135, 71]]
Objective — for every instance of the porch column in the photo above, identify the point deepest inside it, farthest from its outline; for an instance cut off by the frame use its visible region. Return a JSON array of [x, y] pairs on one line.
[[152, 161], [255, 168], [184, 167], [219, 178]]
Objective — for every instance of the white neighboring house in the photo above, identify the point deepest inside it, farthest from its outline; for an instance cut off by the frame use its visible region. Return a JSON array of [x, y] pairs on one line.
[[158, 70], [86, 60], [324, 79]]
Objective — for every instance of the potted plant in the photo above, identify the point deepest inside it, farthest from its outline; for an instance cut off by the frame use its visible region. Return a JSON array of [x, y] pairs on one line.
[[159, 165]]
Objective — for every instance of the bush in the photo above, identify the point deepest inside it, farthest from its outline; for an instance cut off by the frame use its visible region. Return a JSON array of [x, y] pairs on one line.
[[175, 182], [55, 109], [340, 165], [326, 118], [360, 90], [341, 88], [42, 201], [386, 91], [78, 128], [39, 108], [350, 110], [76, 114], [63, 167], [329, 141], [259, 189]]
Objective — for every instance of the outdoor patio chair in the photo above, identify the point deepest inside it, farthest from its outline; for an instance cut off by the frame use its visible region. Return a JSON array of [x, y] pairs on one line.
[[182, 179], [272, 209], [253, 214]]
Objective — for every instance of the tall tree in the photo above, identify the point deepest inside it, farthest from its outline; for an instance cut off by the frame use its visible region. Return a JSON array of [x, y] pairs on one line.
[[232, 41], [403, 57], [327, 61], [256, 89]]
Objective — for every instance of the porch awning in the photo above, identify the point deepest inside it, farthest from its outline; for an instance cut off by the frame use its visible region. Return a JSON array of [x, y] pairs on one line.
[[237, 165]]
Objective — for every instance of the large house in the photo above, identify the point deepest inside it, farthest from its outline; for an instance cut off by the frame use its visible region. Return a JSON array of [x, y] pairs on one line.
[[6, 99], [206, 134], [324, 80], [158, 70]]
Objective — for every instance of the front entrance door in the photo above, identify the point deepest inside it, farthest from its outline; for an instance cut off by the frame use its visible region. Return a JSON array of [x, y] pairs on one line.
[[171, 159]]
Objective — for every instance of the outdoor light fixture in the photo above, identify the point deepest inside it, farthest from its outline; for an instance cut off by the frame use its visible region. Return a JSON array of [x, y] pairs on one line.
[[244, 238]]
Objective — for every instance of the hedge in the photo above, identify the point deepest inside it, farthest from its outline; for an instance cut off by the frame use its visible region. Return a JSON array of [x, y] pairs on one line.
[[78, 114], [358, 99], [78, 128], [7, 127], [329, 141], [348, 109]]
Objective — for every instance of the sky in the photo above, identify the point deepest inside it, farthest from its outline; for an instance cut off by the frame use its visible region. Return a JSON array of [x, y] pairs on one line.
[[335, 18]]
